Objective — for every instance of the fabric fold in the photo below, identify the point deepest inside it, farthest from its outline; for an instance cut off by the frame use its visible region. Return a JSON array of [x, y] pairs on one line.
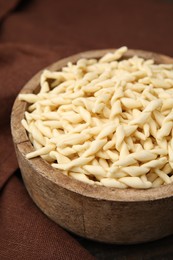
[[6, 6]]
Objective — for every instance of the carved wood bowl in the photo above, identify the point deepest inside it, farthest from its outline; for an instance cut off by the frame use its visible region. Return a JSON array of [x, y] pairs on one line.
[[123, 216]]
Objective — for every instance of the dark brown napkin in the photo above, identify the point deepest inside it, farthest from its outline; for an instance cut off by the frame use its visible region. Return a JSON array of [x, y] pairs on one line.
[[91, 24], [33, 34]]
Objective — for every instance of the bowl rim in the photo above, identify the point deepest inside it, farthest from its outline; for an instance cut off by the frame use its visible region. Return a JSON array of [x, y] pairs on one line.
[[22, 142]]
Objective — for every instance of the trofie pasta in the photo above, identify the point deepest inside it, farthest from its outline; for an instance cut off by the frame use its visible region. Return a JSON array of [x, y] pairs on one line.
[[106, 121]]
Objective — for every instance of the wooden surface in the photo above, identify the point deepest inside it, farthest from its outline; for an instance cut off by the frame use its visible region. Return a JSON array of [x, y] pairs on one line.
[[103, 214]]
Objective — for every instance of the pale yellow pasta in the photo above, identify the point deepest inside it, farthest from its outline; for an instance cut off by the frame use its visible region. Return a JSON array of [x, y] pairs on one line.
[[106, 121], [113, 155], [25, 124], [137, 147], [144, 178], [72, 139], [156, 163], [162, 143], [79, 169], [51, 116], [95, 170], [30, 98], [104, 163], [107, 131], [147, 144], [81, 147], [81, 177], [146, 131], [119, 137], [52, 124], [36, 134], [169, 117], [113, 56], [95, 147], [167, 168], [135, 182], [141, 119], [167, 104], [95, 162], [41, 151], [36, 145], [46, 131], [140, 135], [67, 151], [158, 117], [117, 94], [153, 127], [110, 182], [135, 170], [157, 182], [116, 109], [165, 130], [116, 174], [130, 144], [159, 151], [129, 160], [93, 131], [163, 176], [124, 152], [79, 128], [102, 154], [108, 145], [76, 162], [59, 157], [145, 155], [85, 114]]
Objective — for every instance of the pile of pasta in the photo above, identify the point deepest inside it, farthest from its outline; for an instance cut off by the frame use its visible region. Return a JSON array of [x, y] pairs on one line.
[[106, 121]]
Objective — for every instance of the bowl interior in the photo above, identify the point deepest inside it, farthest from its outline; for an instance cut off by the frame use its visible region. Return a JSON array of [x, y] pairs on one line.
[[21, 140]]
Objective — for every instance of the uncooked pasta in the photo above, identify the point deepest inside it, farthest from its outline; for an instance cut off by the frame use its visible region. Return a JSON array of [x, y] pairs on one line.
[[106, 121]]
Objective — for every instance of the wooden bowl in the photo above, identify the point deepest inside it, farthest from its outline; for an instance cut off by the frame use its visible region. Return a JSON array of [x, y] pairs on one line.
[[103, 214]]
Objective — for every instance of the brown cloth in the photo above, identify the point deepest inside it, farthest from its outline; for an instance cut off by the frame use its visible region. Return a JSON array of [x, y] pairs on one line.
[[33, 34]]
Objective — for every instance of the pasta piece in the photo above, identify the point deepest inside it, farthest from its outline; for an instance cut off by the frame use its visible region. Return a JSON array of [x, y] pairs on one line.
[[113, 155], [144, 156], [37, 135], [157, 182], [76, 162], [119, 137], [156, 163], [59, 157], [129, 160], [116, 109], [110, 182], [130, 103], [107, 131], [72, 139], [95, 170], [163, 176], [81, 177], [109, 57], [165, 130], [135, 170], [103, 163], [135, 182], [41, 151], [95, 147]]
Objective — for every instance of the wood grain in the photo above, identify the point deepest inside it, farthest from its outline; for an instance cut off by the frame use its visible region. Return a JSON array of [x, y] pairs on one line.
[[99, 213]]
